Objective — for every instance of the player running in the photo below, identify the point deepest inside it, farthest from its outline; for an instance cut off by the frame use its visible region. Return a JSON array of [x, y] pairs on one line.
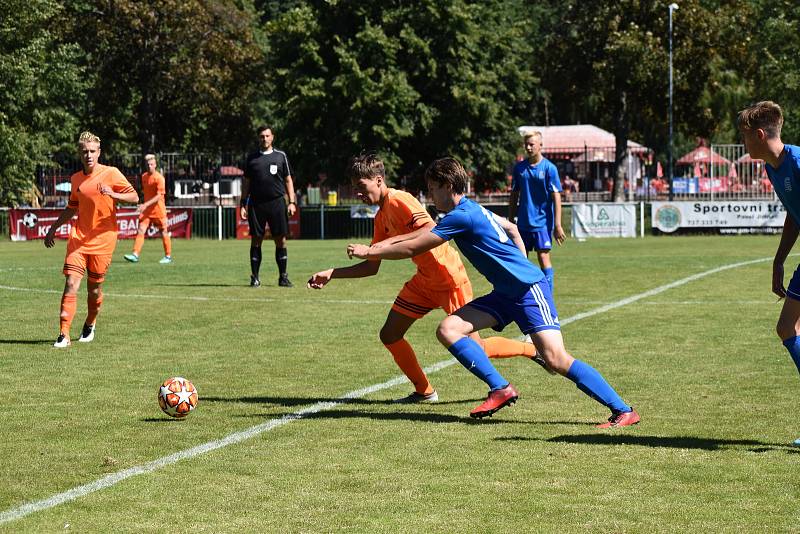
[[93, 237], [440, 281], [535, 185], [152, 211], [520, 294], [760, 125]]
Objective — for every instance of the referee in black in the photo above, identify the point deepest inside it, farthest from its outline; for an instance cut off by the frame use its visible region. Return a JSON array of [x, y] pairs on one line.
[[267, 181]]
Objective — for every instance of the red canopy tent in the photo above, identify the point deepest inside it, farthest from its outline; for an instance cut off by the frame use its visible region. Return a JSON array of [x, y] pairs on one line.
[[703, 155]]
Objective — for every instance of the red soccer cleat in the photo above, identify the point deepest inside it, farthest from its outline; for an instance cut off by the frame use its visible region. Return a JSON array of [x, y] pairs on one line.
[[497, 399], [621, 419]]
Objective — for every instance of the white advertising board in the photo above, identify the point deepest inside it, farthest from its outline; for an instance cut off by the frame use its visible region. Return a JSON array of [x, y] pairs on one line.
[[670, 216]]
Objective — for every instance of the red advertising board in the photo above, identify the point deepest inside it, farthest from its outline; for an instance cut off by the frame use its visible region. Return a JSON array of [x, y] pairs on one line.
[[28, 224], [243, 229]]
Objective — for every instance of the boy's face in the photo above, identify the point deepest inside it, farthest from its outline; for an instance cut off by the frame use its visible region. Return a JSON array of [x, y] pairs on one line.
[[90, 154], [754, 141], [368, 189], [441, 194], [533, 145], [151, 165]]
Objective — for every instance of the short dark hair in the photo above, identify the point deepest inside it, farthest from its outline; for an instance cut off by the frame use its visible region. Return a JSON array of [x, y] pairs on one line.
[[264, 127], [448, 171], [365, 165], [766, 115]]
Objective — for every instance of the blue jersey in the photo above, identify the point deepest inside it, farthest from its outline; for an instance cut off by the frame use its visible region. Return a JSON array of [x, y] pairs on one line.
[[488, 247], [536, 185], [786, 181]]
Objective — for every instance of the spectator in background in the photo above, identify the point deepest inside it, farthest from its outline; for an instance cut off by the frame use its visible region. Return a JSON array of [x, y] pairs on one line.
[[569, 186]]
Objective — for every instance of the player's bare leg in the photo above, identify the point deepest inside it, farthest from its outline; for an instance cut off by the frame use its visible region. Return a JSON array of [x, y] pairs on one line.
[[392, 336]]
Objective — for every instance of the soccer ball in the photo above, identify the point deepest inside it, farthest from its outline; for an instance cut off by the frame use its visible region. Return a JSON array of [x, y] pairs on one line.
[[30, 219], [177, 397]]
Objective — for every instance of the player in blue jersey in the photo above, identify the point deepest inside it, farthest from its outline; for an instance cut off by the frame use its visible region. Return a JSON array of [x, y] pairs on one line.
[[520, 293], [535, 201], [760, 125]]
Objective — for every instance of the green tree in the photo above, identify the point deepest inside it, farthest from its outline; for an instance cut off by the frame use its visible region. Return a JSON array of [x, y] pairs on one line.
[[170, 74], [410, 80], [39, 82], [617, 72]]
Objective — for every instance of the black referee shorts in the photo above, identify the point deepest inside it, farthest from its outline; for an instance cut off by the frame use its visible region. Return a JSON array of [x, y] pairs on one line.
[[269, 215]]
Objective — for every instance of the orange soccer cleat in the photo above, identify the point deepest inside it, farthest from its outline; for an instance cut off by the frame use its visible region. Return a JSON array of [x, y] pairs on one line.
[[497, 399]]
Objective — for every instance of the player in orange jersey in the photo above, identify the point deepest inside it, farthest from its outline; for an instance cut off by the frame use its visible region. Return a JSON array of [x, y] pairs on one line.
[[440, 281], [152, 211], [93, 237]]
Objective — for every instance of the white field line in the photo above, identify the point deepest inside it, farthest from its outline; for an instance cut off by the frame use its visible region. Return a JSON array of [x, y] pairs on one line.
[[110, 480]]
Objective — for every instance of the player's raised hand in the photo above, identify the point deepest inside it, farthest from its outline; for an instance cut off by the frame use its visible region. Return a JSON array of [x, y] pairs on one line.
[[777, 280], [357, 251], [318, 280]]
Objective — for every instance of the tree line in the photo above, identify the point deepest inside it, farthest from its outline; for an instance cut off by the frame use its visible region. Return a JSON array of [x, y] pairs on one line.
[[409, 80]]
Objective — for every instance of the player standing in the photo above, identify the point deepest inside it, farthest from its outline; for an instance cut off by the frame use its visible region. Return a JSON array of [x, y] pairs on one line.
[[152, 211], [92, 239], [440, 281], [536, 187], [760, 125], [267, 181], [520, 294]]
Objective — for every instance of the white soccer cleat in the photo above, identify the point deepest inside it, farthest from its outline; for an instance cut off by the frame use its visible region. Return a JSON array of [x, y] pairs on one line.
[[165, 259], [62, 341], [87, 334]]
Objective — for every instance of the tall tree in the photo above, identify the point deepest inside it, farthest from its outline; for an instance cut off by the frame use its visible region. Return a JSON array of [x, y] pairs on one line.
[[610, 65], [170, 74], [39, 81], [410, 80]]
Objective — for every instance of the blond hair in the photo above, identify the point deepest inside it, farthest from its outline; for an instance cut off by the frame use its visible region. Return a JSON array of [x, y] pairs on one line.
[[531, 133], [765, 115], [148, 157], [88, 137]]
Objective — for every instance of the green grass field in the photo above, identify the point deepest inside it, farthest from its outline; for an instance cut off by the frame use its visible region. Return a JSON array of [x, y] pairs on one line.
[[699, 360]]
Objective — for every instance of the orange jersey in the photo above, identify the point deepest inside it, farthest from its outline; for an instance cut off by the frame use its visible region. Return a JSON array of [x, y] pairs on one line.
[[438, 269], [152, 185], [96, 229]]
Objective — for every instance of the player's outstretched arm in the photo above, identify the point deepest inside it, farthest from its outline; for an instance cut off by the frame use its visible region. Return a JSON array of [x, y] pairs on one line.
[[66, 215], [360, 270], [397, 251], [405, 237]]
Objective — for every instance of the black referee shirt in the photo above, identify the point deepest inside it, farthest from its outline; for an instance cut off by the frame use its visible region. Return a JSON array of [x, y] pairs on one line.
[[267, 173]]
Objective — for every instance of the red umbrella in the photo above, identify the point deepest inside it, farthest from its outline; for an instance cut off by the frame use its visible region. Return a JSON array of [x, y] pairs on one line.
[[702, 154]]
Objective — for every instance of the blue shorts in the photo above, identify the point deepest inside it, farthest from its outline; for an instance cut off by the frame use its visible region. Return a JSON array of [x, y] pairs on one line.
[[793, 291], [537, 240], [533, 311]]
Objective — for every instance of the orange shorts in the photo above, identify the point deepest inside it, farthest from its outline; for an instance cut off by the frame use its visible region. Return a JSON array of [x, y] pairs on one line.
[[160, 223], [415, 300], [96, 265]]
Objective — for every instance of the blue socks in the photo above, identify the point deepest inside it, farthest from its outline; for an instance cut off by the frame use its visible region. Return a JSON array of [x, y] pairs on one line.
[[591, 382], [471, 356], [793, 346], [548, 274]]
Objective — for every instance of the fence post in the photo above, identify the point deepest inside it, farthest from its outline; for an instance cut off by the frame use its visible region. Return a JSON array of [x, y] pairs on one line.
[[641, 219], [219, 222], [322, 220]]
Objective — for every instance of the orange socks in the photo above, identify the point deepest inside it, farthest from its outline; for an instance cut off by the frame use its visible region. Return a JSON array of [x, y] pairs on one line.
[[94, 307], [167, 243], [137, 244], [68, 305], [407, 362], [500, 347]]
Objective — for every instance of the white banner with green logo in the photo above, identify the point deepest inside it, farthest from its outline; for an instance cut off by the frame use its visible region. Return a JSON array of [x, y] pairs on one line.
[[603, 220], [669, 216]]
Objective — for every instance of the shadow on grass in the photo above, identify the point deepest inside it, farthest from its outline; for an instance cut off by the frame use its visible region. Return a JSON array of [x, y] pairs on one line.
[[305, 401], [673, 442], [25, 341], [164, 419], [423, 417], [245, 284]]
